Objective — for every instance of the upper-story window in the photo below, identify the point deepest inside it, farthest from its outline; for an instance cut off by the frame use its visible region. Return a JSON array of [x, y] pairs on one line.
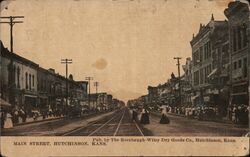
[[14, 75], [30, 81], [18, 77], [26, 80], [33, 80], [239, 63], [201, 53], [244, 33], [235, 65], [239, 35], [245, 67]]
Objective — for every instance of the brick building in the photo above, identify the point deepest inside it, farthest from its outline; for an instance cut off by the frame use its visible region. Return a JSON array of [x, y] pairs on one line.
[[205, 46], [237, 14]]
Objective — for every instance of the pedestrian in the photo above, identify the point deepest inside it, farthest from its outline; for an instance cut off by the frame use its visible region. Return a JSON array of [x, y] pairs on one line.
[[233, 115], [8, 121], [3, 115], [164, 118], [15, 117], [144, 117], [134, 115], [23, 115]]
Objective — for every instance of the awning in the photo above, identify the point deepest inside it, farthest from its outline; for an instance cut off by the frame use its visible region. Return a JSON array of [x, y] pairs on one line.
[[212, 73], [4, 103], [194, 97]]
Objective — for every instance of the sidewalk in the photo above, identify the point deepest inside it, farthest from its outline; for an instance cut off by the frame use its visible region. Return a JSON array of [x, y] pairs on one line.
[[225, 121], [39, 119]]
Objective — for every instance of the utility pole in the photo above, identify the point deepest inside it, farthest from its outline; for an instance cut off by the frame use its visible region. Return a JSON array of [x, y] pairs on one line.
[[66, 62], [179, 75], [89, 79], [96, 84], [11, 78]]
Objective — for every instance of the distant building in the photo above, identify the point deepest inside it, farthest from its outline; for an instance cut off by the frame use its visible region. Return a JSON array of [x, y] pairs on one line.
[[238, 19], [187, 82]]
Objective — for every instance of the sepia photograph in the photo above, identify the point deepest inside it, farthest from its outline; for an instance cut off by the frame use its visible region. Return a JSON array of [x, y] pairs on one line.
[[125, 68]]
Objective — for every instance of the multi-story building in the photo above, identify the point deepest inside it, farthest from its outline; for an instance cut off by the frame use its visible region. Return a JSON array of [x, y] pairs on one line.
[[237, 14], [187, 82], [203, 47], [24, 83]]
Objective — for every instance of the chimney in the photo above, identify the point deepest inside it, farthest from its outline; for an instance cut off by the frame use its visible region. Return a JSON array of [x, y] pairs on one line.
[[71, 77], [212, 18], [51, 70]]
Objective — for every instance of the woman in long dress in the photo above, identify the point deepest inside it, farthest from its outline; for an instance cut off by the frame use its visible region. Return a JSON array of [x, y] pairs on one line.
[[164, 118], [144, 117], [8, 121]]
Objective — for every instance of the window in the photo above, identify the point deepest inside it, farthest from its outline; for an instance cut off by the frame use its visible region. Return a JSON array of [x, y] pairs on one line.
[[239, 63], [235, 65], [33, 81], [30, 81], [239, 33], [201, 54], [26, 80], [234, 39], [14, 75], [18, 77], [209, 49], [244, 34], [201, 76], [245, 67], [196, 78]]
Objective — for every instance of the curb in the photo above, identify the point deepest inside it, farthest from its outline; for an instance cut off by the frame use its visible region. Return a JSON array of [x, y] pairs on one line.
[[44, 120]]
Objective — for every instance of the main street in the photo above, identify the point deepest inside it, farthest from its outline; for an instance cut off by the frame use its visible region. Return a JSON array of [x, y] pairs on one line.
[[119, 123]]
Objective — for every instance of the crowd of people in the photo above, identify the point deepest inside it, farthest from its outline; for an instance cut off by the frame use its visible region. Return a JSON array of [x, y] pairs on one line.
[[239, 114], [16, 115]]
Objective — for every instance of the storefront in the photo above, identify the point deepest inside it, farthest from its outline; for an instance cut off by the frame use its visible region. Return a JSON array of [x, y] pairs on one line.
[[30, 103]]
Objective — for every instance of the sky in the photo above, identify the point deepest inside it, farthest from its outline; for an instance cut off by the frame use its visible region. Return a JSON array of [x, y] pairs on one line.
[[125, 45]]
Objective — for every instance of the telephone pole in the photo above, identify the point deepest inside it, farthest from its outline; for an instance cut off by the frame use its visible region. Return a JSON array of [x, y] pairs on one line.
[[89, 79], [179, 75], [66, 62], [11, 21], [96, 84]]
